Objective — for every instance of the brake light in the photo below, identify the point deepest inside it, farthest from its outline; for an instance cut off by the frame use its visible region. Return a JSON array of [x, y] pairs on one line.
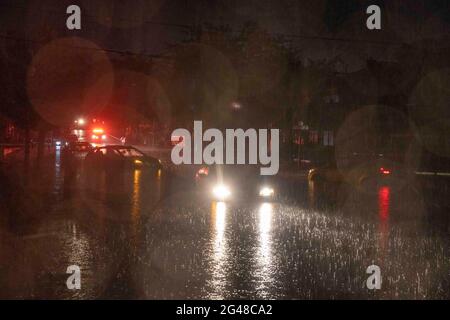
[[202, 172], [385, 171]]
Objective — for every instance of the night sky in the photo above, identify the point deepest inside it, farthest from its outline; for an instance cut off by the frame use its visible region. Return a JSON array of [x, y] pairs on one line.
[[150, 27]]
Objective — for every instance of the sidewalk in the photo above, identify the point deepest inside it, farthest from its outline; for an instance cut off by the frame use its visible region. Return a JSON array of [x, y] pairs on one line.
[[17, 155]]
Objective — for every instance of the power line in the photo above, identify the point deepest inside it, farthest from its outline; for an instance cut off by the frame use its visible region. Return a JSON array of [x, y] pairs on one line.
[[93, 17], [193, 28], [121, 52]]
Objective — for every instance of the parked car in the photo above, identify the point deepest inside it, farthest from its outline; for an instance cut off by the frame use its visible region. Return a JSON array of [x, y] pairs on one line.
[[356, 169], [78, 147], [118, 157]]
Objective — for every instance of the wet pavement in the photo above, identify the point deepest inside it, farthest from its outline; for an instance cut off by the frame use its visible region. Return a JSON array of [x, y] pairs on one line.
[[146, 235]]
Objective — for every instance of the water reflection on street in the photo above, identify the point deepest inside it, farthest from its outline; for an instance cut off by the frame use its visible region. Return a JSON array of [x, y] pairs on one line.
[[383, 206], [218, 275], [265, 268], [140, 234]]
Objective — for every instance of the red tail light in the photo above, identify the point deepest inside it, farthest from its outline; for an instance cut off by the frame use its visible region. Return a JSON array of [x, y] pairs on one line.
[[385, 171], [202, 172]]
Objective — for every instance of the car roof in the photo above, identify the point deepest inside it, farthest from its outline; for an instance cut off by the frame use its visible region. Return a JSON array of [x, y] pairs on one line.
[[119, 146], [116, 146]]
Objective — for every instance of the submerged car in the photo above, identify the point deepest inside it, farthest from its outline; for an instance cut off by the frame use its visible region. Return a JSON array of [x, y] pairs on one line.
[[234, 182], [121, 157]]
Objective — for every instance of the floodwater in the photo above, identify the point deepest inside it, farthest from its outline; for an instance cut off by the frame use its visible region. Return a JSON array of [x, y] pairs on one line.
[[144, 235]]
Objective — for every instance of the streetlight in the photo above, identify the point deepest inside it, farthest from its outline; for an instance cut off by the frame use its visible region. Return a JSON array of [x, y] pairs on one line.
[[236, 105]]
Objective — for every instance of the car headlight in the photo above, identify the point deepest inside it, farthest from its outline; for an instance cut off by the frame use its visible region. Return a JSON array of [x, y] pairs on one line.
[[221, 192], [266, 192]]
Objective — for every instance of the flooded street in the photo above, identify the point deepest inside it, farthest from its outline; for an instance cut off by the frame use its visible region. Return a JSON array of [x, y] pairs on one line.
[[209, 153], [151, 235]]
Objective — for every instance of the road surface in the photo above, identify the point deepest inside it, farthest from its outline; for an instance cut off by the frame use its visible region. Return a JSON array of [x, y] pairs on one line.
[[143, 235]]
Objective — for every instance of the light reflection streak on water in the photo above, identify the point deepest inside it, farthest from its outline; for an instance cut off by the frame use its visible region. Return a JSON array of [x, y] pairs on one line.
[[136, 202], [383, 214], [264, 272], [311, 193], [158, 174], [219, 244], [158, 184], [58, 176]]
